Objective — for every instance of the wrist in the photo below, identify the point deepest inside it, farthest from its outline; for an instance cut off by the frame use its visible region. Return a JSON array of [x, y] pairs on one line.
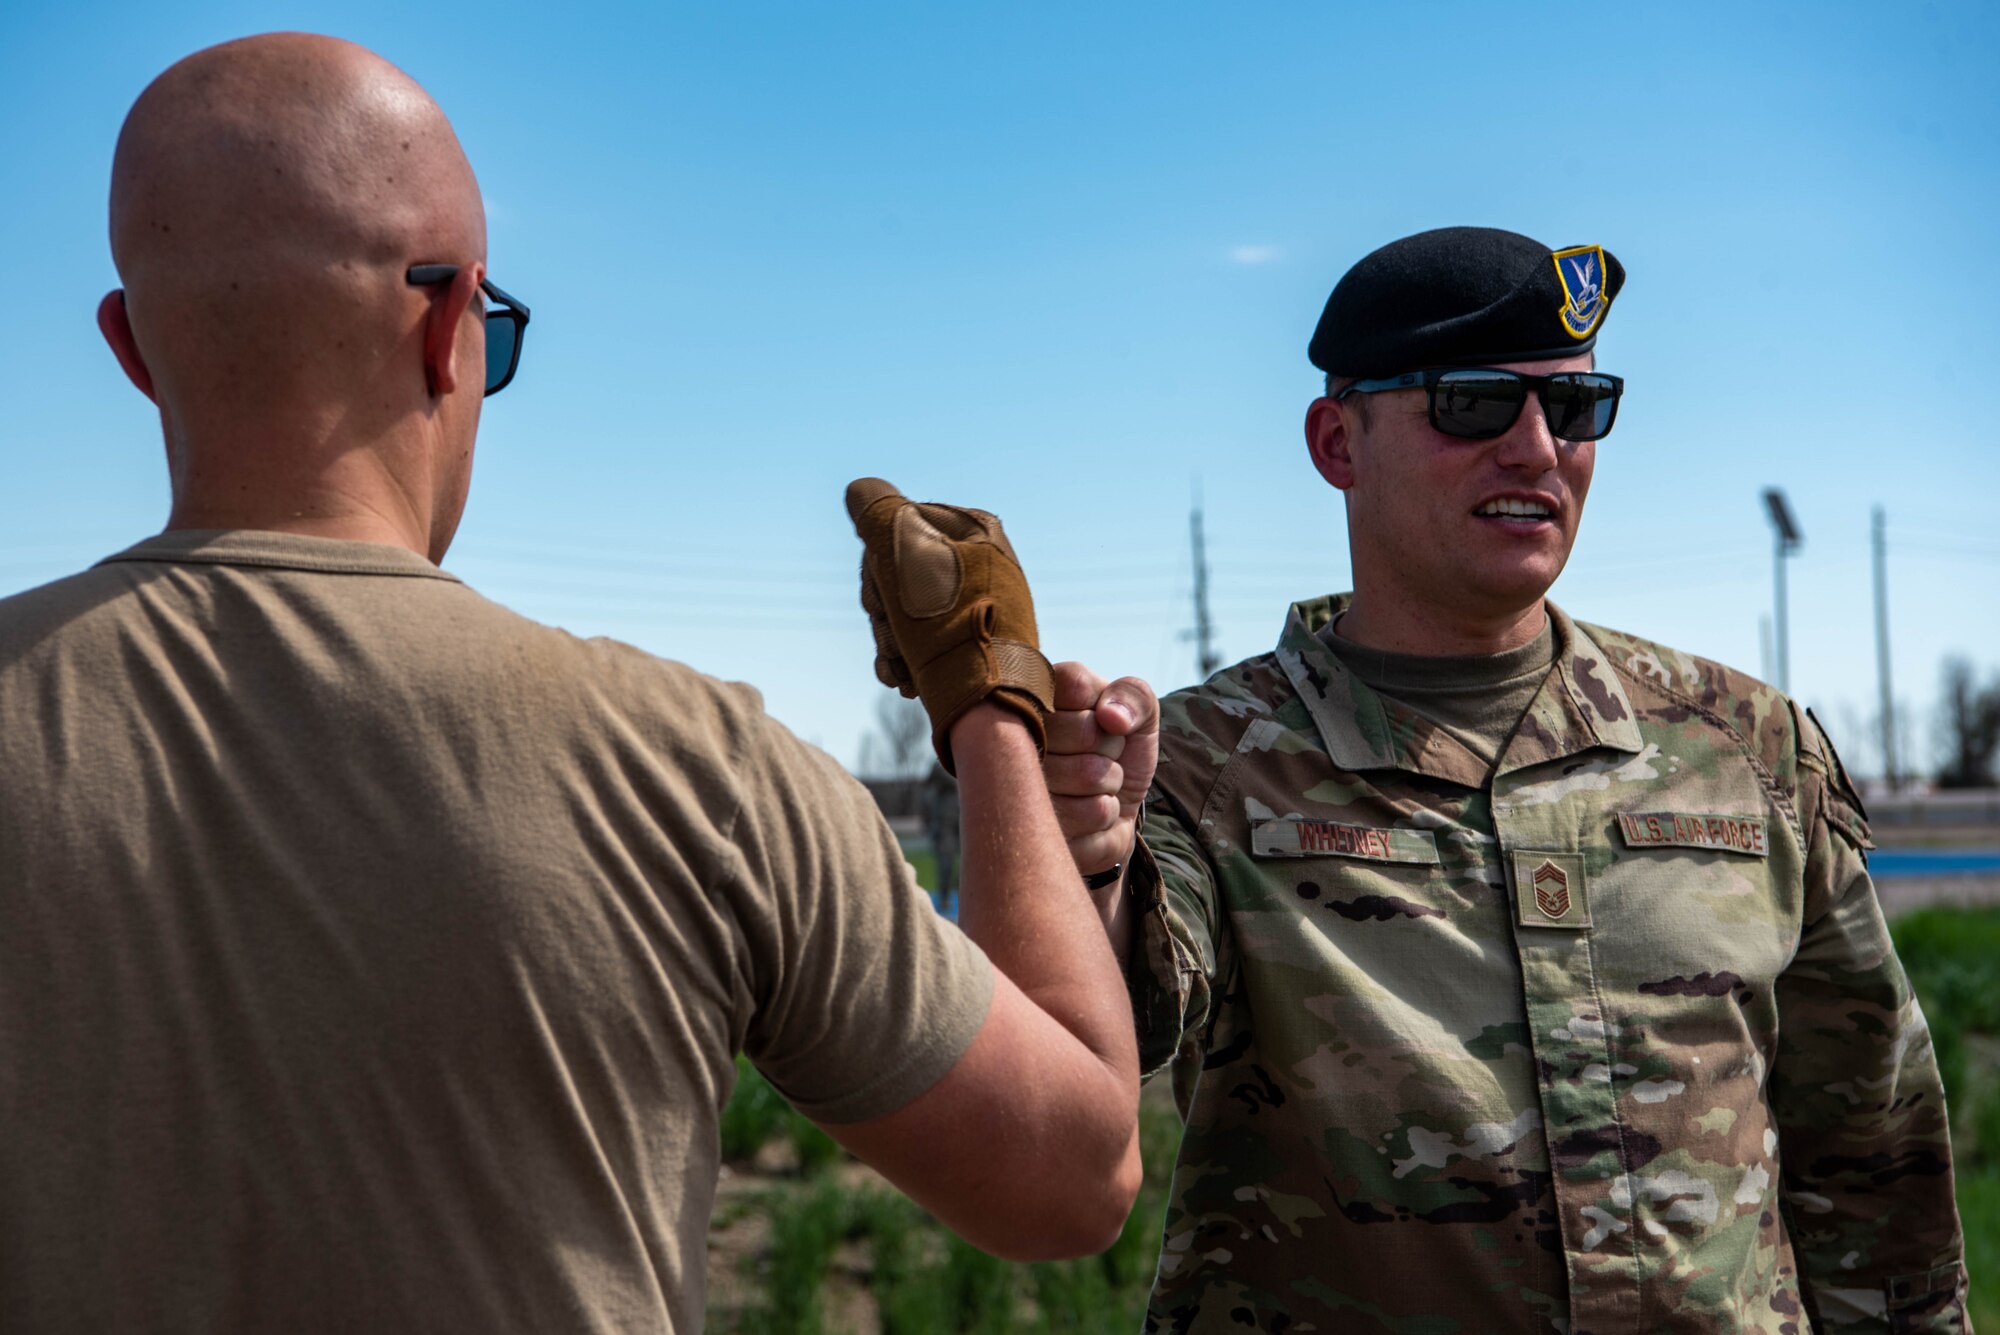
[[1105, 877], [989, 729], [985, 671]]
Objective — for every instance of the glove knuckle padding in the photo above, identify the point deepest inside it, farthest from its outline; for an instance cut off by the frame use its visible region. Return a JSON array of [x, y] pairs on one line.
[[954, 621], [957, 522], [929, 575]]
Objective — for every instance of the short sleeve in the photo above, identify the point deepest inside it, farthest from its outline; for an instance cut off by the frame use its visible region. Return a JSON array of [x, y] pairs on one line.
[[863, 997]]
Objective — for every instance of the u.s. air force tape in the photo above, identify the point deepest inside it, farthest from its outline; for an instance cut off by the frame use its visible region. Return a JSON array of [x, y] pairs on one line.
[[1726, 834]]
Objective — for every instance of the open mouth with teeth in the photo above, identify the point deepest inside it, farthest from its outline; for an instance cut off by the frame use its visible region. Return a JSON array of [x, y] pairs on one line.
[[1520, 512]]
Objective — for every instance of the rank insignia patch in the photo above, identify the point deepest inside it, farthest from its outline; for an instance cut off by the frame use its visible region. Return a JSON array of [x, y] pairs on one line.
[[1580, 270], [1549, 890]]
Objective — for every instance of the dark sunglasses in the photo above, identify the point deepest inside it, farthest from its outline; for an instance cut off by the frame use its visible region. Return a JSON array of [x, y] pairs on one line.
[[504, 325], [1478, 402]]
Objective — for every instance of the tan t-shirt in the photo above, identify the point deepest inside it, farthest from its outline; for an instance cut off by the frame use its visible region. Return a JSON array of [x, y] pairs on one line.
[[372, 958]]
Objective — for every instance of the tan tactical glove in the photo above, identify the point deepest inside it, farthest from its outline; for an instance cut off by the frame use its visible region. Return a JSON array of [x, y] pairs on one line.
[[953, 620]]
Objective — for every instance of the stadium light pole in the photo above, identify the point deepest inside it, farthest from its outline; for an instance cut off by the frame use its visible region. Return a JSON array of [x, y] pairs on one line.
[[1786, 540], [1882, 652]]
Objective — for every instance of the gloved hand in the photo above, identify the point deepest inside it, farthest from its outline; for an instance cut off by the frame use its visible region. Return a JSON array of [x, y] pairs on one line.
[[954, 623]]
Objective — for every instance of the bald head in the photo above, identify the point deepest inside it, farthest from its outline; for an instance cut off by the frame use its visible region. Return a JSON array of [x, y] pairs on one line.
[[287, 152], [267, 199]]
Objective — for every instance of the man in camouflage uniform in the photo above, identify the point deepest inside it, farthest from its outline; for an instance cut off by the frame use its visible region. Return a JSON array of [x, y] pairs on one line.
[[1514, 974]]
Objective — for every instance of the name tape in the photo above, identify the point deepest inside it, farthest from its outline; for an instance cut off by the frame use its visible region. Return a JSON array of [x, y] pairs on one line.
[[1297, 837]]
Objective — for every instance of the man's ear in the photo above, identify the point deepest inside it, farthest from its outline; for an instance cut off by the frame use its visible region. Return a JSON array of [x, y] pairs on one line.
[[1328, 437], [116, 326], [444, 327]]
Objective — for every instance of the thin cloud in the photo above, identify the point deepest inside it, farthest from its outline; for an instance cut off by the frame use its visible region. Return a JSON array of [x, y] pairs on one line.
[[1252, 254]]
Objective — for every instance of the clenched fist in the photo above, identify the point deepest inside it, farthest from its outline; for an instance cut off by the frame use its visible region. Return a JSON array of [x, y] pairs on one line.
[[1104, 742], [954, 622]]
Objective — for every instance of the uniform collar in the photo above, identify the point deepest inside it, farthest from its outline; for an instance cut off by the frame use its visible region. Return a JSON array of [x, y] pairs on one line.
[[1580, 706]]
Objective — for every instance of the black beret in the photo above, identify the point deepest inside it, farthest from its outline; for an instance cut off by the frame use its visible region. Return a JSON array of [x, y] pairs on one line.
[[1464, 296]]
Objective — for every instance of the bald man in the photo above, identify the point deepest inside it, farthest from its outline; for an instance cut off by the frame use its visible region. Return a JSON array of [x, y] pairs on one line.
[[373, 959]]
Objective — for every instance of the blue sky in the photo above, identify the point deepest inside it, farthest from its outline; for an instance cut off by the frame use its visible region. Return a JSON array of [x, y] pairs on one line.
[[1062, 261]]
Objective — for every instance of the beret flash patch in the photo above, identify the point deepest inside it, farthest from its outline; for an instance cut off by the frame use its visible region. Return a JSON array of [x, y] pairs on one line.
[[1580, 270]]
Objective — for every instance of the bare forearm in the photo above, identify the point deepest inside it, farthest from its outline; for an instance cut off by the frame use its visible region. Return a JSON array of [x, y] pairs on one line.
[[1029, 1146], [1022, 900], [1051, 1167]]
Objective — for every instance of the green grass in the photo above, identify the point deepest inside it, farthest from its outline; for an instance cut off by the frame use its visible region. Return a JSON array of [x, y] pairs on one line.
[[757, 1114], [805, 1229], [923, 1279], [1953, 959], [927, 1281], [1979, 1211], [924, 863]]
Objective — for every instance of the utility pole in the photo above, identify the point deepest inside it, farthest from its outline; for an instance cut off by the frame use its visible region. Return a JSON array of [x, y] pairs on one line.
[[1206, 659], [1882, 652], [1786, 540]]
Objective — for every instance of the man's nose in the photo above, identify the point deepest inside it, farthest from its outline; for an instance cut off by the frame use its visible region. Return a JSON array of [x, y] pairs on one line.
[[1529, 444]]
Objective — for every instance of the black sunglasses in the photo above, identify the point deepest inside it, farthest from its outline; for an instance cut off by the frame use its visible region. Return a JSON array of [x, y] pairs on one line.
[[1479, 402], [504, 326]]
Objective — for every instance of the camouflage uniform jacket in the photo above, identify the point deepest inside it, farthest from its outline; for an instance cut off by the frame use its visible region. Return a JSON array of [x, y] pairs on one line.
[[1607, 1037]]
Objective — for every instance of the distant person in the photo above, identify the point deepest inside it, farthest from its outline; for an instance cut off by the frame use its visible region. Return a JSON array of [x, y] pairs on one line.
[[374, 959], [1514, 974], [937, 806]]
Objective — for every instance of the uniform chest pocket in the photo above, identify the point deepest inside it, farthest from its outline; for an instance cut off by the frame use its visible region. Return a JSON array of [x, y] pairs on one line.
[[1372, 939], [1694, 905], [1353, 871]]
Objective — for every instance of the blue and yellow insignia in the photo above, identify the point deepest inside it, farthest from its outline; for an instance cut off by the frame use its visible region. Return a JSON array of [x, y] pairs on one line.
[[1580, 270]]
